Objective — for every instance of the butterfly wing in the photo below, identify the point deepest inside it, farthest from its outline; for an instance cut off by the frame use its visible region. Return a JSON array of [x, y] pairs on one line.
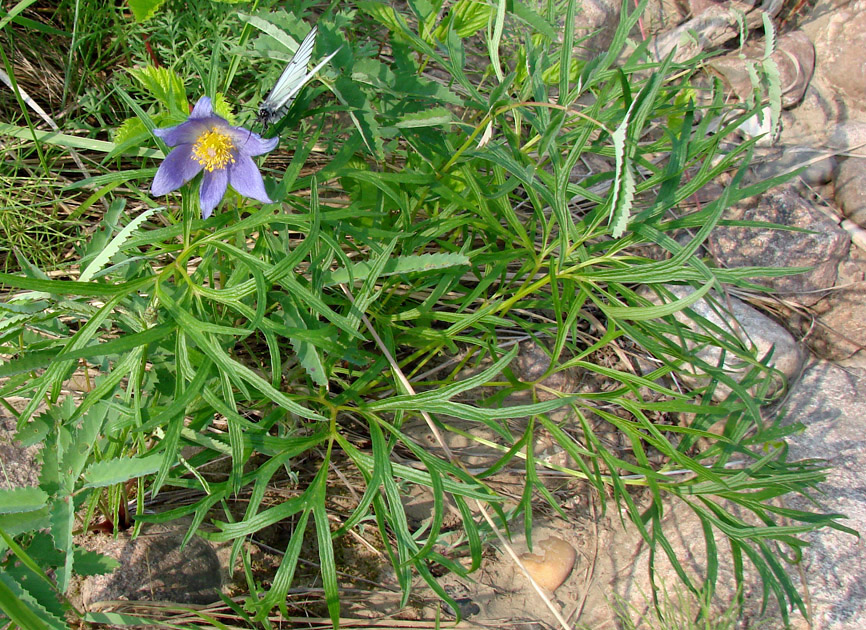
[[293, 77]]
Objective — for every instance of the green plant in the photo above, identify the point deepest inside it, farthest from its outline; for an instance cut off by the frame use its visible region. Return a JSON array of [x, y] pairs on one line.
[[677, 610], [449, 219]]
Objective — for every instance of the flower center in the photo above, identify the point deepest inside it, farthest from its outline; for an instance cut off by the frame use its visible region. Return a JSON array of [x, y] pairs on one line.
[[213, 149]]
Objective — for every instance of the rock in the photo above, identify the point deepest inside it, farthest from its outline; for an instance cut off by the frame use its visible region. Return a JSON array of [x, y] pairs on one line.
[[626, 559], [597, 21], [841, 334], [820, 168], [530, 366], [153, 567], [829, 401], [819, 165], [713, 27], [849, 135], [840, 49], [766, 335], [794, 57], [551, 569], [814, 120], [822, 249], [662, 15], [501, 591], [851, 189]]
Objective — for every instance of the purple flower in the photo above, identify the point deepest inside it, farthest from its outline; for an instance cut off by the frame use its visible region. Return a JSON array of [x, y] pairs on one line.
[[207, 142]]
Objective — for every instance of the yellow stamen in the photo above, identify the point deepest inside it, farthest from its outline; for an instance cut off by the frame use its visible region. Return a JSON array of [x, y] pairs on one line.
[[213, 149]]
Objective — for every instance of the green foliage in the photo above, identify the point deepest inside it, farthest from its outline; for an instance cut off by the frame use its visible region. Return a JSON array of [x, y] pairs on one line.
[[36, 570], [165, 86], [144, 9], [446, 220]]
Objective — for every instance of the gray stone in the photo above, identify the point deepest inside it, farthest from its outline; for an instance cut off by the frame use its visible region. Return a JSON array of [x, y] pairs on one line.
[[716, 25], [822, 249], [851, 189], [829, 401], [840, 49], [848, 135], [749, 324], [683, 529], [841, 333], [597, 21], [794, 57], [816, 119], [819, 166], [530, 366], [153, 567]]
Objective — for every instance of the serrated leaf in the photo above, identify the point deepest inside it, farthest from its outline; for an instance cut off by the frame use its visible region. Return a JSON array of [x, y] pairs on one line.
[[308, 354], [533, 19], [22, 500], [34, 431], [435, 117], [622, 210], [12, 320], [20, 522], [769, 34], [166, 86], [270, 29], [62, 518], [83, 438], [144, 9], [623, 184], [401, 264], [222, 107], [22, 609], [25, 308], [384, 14], [466, 18], [114, 246], [365, 122], [774, 93], [129, 129], [92, 563], [30, 270], [112, 471]]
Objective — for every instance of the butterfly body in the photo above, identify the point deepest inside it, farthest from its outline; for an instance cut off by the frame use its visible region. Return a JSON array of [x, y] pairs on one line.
[[293, 78]]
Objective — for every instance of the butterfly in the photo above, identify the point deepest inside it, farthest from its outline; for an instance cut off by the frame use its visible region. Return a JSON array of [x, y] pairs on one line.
[[293, 78]]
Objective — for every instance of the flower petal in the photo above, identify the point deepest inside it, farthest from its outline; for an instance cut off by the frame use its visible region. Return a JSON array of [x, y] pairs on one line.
[[248, 143], [185, 133], [176, 170], [203, 108], [213, 187], [245, 178]]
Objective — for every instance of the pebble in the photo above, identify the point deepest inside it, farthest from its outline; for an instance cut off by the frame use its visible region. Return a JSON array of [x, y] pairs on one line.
[[851, 189], [551, 569]]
